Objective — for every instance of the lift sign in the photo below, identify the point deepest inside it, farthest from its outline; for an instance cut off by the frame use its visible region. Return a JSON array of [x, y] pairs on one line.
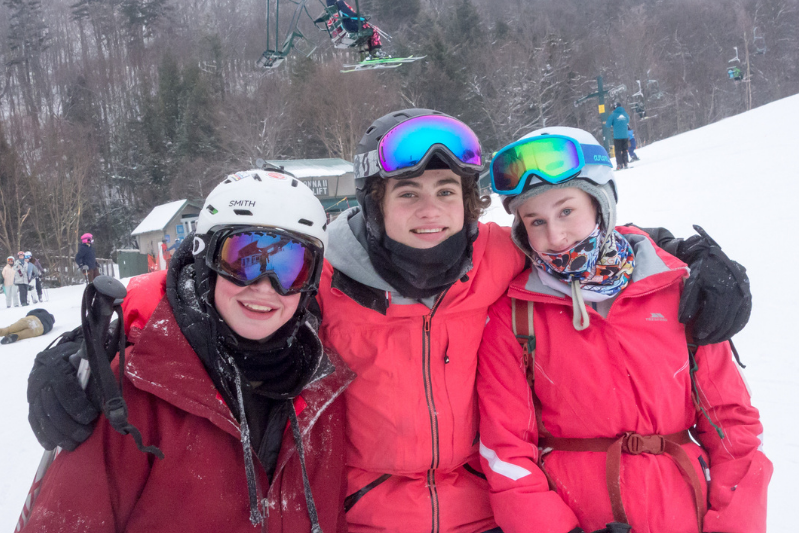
[[319, 187]]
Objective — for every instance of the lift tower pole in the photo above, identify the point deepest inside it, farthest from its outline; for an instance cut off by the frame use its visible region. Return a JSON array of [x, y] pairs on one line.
[[603, 113]]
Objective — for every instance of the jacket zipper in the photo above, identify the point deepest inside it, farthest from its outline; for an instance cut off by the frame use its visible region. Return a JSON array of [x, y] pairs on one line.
[[431, 409]]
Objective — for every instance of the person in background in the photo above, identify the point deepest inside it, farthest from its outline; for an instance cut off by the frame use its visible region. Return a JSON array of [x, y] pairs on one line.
[[8, 283], [632, 143], [33, 276], [38, 266], [86, 259], [21, 279], [618, 121], [36, 322]]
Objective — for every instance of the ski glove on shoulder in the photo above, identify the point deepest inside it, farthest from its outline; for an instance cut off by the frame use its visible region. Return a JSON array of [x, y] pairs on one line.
[[60, 412], [716, 302]]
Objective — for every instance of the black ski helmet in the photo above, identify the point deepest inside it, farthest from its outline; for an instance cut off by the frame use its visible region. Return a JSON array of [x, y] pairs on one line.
[[379, 128]]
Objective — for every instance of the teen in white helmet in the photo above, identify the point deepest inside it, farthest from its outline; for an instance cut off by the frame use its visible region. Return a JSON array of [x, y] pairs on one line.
[[225, 358]]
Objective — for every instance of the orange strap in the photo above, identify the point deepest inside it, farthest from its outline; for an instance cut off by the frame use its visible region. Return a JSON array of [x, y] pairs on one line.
[[633, 444]]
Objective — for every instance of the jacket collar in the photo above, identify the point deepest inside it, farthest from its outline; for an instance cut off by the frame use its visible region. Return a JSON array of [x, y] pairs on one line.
[[654, 269], [163, 364]]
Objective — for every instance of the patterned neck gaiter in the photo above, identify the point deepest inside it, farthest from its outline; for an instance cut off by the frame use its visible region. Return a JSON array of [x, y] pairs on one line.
[[604, 268]]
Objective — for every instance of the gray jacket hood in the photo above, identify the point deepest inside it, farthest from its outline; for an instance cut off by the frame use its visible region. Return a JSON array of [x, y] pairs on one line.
[[347, 250]]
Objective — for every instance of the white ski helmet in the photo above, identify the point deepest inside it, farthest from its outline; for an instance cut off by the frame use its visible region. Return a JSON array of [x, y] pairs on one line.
[[264, 198]]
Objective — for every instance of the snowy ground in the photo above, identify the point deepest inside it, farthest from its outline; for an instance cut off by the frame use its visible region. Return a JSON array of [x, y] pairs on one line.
[[733, 178]]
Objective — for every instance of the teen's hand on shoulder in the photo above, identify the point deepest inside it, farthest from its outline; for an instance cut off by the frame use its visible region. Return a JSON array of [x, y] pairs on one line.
[[716, 302], [60, 412]]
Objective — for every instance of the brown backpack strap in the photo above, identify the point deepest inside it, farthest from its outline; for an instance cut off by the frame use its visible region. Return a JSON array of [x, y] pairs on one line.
[[524, 331], [634, 444]]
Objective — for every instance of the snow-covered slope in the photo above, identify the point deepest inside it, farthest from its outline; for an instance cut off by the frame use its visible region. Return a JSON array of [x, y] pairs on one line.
[[735, 178]]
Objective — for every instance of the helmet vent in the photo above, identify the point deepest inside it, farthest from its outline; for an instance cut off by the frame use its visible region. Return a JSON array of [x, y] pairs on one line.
[[294, 183], [211, 209], [305, 222], [243, 212], [256, 177], [324, 228]]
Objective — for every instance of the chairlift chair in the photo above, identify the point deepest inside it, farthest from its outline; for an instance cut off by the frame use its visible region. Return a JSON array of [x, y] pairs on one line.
[[759, 41], [734, 73]]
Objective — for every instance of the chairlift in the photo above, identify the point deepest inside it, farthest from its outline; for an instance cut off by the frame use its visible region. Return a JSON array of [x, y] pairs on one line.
[[759, 41], [274, 57], [734, 71], [333, 20], [653, 88], [616, 91], [638, 104]]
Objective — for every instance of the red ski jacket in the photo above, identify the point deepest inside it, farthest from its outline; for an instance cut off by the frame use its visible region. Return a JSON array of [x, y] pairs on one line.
[[107, 485], [412, 416], [627, 372]]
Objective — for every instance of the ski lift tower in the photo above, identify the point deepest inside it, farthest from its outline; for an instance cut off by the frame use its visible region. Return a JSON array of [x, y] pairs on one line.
[[603, 112]]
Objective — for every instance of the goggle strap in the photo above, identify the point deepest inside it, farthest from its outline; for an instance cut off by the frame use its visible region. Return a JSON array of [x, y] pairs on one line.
[[595, 154], [366, 165]]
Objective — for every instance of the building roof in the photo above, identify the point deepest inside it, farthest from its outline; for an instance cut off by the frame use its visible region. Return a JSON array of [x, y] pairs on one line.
[[314, 168], [159, 217]]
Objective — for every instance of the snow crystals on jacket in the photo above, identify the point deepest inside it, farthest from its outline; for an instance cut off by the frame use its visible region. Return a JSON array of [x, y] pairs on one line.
[[412, 411], [107, 485], [628, 371]]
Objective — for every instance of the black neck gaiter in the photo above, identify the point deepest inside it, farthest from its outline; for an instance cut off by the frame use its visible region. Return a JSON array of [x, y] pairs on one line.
[[421, 273]]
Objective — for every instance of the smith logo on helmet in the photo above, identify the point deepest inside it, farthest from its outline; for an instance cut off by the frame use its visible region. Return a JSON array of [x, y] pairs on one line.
[[276, 175], [242, 203]]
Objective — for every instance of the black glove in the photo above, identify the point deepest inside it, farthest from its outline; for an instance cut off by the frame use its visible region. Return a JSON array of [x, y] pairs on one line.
[[614, 527], [60, 411], [716, 302]]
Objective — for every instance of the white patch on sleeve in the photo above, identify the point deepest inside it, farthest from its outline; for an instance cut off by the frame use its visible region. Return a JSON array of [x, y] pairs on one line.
[[499, 466]]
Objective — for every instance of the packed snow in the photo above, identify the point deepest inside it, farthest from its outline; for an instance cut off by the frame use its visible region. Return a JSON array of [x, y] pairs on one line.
[[732, 178]]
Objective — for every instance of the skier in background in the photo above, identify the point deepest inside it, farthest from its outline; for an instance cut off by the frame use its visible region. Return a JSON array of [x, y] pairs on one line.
[[8, 283], [39, 268], [350, 22], [21, 279], [618, 121], [632, 143], [33, 275], [86, 259]]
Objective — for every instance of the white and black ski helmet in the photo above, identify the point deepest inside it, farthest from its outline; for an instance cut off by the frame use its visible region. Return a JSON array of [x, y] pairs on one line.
[[264, 198]]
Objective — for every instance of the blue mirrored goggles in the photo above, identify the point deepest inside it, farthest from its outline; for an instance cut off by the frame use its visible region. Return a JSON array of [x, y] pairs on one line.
[[546, 158], [406, 149], [245, 255]]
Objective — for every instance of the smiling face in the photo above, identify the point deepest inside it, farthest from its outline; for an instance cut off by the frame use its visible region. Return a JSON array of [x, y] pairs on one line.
[[558, 219], [425, 211], [255, 312]]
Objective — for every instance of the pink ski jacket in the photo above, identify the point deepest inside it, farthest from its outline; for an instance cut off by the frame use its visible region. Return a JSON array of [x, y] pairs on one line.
[[628, 372]]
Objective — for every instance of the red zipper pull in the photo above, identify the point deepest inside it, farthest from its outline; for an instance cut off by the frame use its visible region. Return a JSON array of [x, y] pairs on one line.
[[427, 324]]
